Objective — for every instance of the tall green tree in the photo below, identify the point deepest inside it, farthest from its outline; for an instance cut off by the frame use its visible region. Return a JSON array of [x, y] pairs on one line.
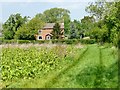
[[54, 15], [77, 25], [97, 9], [29, 30], [73, 33], [108, 13], [56, 33], [67, 22], [87, 23], [12, 25], [24, 33]]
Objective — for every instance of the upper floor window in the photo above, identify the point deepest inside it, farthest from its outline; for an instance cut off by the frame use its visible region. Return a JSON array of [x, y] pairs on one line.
[[39, 31]]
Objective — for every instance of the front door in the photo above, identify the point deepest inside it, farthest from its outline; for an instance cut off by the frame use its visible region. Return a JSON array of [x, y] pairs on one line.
[[48, 37]]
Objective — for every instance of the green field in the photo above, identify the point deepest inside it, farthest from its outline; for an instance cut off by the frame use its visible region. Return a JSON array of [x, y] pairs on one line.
[[59, 66]]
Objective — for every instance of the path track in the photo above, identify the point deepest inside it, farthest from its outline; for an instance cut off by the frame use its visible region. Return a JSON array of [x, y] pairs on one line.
[[74, 65], [55, 79]]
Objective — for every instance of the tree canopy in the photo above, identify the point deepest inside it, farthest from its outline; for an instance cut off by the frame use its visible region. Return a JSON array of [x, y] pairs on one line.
[[107, 18], [28, 30], [12, 25], [56, 33], [54, 15]]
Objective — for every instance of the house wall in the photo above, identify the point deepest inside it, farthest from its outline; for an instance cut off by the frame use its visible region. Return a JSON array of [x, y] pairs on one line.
[[44, 32]]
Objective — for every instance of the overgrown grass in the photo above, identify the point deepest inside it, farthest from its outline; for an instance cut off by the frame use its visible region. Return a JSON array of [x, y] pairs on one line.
[[60, 66]]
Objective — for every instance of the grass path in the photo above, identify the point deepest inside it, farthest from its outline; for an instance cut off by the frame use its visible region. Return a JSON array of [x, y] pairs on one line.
[[65, 70], [64, 80]]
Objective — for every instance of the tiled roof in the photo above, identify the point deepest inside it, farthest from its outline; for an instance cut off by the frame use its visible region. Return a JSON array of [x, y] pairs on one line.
[[50, 25]]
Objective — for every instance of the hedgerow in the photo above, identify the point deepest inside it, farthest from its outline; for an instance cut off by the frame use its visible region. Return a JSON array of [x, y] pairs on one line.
[[63, 41]]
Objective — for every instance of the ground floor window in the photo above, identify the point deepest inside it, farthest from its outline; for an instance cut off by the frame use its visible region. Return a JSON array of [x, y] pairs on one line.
[[40, 37], [48, 37]]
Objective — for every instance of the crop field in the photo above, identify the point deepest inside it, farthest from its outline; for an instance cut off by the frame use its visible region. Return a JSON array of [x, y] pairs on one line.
[[59, 66]]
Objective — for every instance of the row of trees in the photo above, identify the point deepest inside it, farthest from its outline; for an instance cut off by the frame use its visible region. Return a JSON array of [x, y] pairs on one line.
[[103, 23]]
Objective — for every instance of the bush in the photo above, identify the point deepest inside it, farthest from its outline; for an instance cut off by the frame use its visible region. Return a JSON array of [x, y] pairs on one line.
[[24, 41], [42, 41], [88, 41], [1, 40], [71, 41], [8, 41]]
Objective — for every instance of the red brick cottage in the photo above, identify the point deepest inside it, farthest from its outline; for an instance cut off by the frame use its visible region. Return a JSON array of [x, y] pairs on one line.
[[45, 33]]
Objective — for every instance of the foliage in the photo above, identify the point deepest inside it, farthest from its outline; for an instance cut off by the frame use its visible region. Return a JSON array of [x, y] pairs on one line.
[[1, 40], [67, 22], [8, 41], [56, 33], [60, 66], [0, 29], [89, 41], [22, 33], [12, 25], [73, 33], [78, 28], [8, 34], [54, 15], [82, 28], [107, 14], [28, 30], [87, 22], [60, 41], [100, 34], [29, 63]]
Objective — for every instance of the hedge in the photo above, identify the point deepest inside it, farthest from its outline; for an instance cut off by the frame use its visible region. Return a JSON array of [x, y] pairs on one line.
[[64, 41], [1, 40]]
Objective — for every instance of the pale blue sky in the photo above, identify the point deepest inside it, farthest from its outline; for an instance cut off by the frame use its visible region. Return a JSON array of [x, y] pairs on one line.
[[30, 8]]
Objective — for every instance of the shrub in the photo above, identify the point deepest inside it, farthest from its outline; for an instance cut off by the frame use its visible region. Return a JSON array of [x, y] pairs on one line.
[[23, 41], [42, 41], [9, 41], [1, 40], [88, 41]]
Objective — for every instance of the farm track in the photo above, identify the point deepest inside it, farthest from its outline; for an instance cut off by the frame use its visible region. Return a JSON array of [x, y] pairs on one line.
[[55, 79], [100, 64], [72, 66]]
